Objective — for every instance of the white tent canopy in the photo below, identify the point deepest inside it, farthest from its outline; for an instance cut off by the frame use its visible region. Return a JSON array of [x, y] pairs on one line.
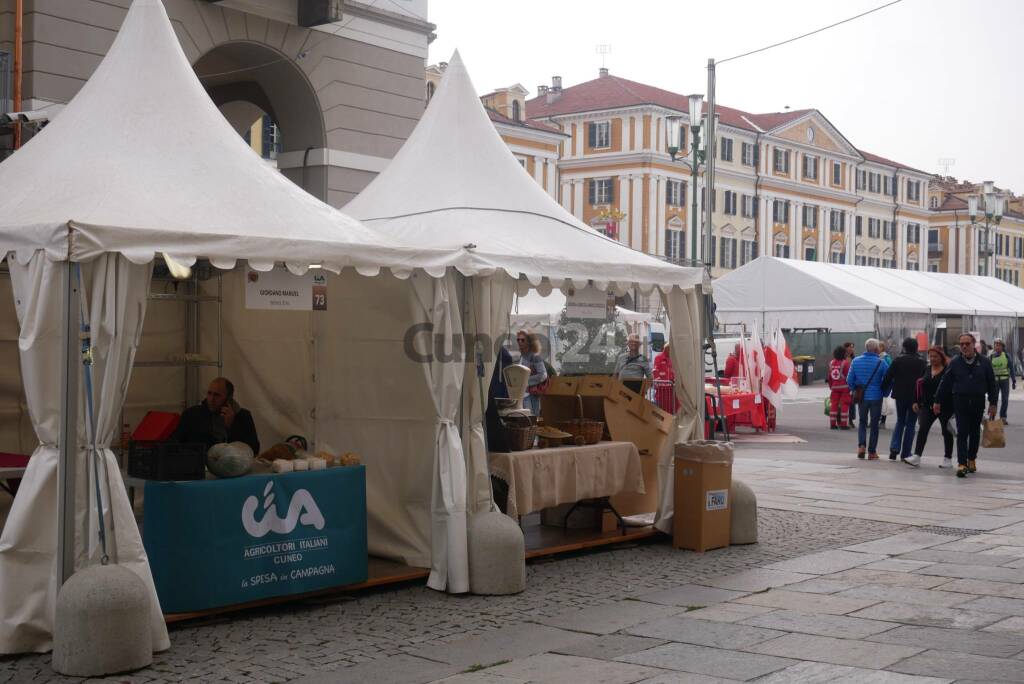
[[455, 183], [186, 182], [806, 294]]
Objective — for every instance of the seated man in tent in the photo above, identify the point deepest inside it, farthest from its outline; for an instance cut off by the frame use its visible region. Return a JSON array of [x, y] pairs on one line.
[[631, 366], [217, 419]]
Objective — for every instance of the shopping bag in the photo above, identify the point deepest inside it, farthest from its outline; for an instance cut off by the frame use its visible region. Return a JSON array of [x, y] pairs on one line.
[[828, 405], [888, 406], [992, 435]]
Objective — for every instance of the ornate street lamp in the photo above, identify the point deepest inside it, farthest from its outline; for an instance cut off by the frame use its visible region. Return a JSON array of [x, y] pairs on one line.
[[673, 124], [992, 206]]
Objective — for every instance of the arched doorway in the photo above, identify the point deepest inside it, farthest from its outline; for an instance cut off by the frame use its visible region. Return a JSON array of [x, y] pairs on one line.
[[260, 89]]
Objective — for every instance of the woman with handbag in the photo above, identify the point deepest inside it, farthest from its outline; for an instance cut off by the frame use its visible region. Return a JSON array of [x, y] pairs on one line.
[[927, 387], [529, 356]]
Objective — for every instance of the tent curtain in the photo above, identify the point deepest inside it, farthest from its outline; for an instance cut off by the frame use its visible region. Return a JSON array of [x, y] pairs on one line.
[[992, 327], [894, 327], [114, 294], [684, 314], [436, 301], [489, 299]]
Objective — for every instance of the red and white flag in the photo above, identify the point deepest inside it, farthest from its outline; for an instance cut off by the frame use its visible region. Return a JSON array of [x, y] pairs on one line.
[[779, 379]]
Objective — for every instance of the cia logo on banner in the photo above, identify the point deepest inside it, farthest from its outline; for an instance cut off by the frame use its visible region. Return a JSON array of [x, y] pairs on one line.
[[302, 509]]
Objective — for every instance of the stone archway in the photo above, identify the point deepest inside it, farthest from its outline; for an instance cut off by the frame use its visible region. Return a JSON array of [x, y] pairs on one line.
[[246, 79]]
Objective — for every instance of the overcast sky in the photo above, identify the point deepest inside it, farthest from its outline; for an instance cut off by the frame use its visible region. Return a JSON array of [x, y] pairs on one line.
[[917, 82]]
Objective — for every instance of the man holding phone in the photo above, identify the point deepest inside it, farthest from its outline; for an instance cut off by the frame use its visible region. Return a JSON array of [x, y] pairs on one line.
[[217, 419]]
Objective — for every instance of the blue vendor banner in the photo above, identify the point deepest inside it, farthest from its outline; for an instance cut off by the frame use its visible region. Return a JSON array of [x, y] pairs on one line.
[[222, 542]]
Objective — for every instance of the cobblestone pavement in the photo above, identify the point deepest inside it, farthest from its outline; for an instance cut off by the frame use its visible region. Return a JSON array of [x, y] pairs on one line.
[[288, 642]]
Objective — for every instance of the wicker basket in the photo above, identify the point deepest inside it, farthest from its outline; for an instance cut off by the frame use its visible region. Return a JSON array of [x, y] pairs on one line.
[[591, 431], [520, 432]]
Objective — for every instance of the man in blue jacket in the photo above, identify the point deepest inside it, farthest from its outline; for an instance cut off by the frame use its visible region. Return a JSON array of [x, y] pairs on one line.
[[866, 374], [968, 381]]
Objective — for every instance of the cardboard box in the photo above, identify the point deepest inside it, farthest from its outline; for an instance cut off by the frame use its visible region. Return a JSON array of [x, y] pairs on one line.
[[702, 478]]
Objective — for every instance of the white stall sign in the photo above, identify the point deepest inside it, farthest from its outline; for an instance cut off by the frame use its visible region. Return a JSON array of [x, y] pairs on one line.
[[281, 290]]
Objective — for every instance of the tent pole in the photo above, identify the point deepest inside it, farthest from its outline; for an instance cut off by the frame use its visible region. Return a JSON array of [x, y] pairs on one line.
[[68, 440]]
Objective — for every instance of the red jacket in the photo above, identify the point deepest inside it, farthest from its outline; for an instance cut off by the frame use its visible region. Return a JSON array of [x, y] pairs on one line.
[[837, 372], [663, 367], [733, 367]]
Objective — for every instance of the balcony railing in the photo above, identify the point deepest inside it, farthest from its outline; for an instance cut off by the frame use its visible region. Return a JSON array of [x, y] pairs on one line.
[[935, 248]]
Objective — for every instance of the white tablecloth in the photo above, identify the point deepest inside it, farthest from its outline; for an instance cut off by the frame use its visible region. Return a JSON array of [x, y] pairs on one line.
[[541, 478]]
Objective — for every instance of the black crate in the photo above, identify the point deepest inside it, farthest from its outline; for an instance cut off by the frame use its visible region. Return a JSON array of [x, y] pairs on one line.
[[167, 461]]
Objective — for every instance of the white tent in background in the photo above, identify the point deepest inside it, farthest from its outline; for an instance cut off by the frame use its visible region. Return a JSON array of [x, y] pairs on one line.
[[455, 183], [806, 294], [534, 310], [140, 163]]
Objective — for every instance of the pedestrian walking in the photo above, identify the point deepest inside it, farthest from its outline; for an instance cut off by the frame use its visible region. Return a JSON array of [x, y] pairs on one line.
[[884, 355], [965, 385], [865, 383], [1002, 368], [839, 399], [851, 351], [927, 387], [902, 377]]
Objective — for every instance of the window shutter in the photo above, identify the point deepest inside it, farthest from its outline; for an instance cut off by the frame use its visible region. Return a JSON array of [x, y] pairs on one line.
[[611, 190], [668, 192], [592, 187], [592, 137]]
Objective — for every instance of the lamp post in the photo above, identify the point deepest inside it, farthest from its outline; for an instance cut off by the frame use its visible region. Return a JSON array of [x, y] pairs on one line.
[[991, 205], [673, 124]]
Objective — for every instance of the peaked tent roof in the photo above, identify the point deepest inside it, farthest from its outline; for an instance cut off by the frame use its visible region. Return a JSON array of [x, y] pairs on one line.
[[806, 294], [141, 162], [455, 183]]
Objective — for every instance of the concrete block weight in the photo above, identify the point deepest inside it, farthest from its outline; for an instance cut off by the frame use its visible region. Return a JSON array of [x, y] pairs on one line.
[[743, 524], [497, 555]]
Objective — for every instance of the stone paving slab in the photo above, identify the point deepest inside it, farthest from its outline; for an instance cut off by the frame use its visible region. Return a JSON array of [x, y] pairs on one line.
[[758, 579], [1015, 529], [1014, 551], [827, 562], [825, 673], [479, 678], [957, 557], [897, 565], [919, 597], [551, 668], [821, 585], [704, 632], [709, 661], [609, 646], [686, 678], [997, 604], [988, 522], [807, 603], [913, 540], [962, 640], [953, 570], [728, 612], [863, 575], [966, 545], [610, 617], [690, 595], [839, 626], [1000, 539], [984, 588], [962, 666], [399, 669], [928, 616], [836, 651], [497, 645], [1011, 625]]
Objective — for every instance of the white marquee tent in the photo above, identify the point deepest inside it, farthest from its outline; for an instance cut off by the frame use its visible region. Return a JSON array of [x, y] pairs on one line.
[[805, 294], [144, 164], [139, 163], [455, 183]]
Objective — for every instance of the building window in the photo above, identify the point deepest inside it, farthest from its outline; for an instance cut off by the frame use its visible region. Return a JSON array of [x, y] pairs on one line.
[[271, 138], [748, 251], [749, 154], [874, 228], [601, 191], [810, 167], [911, 264], [913, 232], [728, 252], [810, 217], [913, 191], [874, 182], [781, 246], [781, 164], [837, 173], [780, 211], [837, 221], [516, 113], [675, 193], [749, 206], [726, 149], [862, 179], [730, 202], [712, 244], [599, 134], [704, 197], [835, 255], [888, 230], [675, 239], [522, 162], [933, 266], [810, 253], [934, 202], [858, 223], [430, 90]]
